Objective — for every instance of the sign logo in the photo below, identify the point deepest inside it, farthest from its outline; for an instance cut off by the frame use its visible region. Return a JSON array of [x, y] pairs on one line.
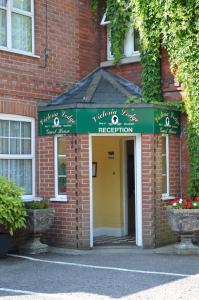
[[114, 120], [56, 122], [167, 122]]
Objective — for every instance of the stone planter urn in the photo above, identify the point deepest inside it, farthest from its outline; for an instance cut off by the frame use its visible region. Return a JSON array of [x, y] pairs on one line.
[[38, 221], [185, 222]]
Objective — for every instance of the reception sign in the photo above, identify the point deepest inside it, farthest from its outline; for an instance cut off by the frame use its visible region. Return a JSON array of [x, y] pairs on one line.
[[109, 121]]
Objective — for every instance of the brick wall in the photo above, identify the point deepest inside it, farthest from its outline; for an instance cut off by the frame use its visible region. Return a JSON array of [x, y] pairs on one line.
[[76, 46], [156, 231], [73, 52], [148, 201], [89, 42], [163, 233], [72, 219]]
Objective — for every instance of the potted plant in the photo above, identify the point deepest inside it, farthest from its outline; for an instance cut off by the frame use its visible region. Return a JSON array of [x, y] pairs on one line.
[[183, 217], [12, 212], [39, 219]]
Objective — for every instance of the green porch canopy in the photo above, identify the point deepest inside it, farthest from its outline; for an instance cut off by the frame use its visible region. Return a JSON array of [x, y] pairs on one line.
[[101, 103]]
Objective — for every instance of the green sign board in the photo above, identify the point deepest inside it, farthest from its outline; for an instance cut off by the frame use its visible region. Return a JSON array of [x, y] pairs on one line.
[[109, 121]]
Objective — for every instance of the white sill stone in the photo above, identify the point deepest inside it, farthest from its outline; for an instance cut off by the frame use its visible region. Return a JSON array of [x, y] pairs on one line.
[[19, 52], [31, 198], [59, 199], [126, 60], [167, 198]]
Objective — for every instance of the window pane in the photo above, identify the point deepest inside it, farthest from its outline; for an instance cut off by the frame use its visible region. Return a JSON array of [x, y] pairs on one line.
[[22, 4], [164, 184], [21, 173], [3, 28], [61, 185], [21, 32], [3, 3], [164, 165], [4, 167], [136, 40], [4, 148], [25, 129], [4, 128], [164, 150], [61, 166], [14, 129], [61, 146], [14, 146], [25, 146]]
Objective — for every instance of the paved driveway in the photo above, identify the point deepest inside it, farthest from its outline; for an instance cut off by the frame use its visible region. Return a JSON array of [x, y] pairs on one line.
[[100, 274]]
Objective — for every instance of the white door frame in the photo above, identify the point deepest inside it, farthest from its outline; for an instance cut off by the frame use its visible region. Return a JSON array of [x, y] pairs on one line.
[[138, 184], [124, 181]]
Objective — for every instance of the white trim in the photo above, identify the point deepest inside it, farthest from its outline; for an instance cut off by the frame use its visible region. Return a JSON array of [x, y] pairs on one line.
[[103, 21], [55, 167], [110, 231], [166, 198], [138, 184], [57, 198], [124, 182], [138, 189], [125, 186], [167, 194], [123, 61], [128, 44], [9, 9], [19, 52], [91, 190], [33, 26], [23, 156]]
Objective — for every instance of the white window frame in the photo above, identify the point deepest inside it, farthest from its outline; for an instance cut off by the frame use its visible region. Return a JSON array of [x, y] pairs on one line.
[[128, 41], [23, 156], [166, 195], [10, 10], [58, 198]]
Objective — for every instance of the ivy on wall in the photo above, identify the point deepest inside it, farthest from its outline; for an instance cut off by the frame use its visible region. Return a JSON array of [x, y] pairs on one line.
[[175, 25]]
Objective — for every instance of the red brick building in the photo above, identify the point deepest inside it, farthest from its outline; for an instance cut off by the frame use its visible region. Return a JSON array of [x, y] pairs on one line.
[[100, 181]]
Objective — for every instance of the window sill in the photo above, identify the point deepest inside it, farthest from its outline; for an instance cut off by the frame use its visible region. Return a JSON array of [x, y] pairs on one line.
[[167, 198], [19, 52], [59, 199], [126, 60], [31, 198]]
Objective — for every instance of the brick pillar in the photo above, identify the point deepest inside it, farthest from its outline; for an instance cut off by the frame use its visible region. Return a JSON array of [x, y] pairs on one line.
[[83, 199], [163, 233], [71, 226], [156, 231], [45, 182], [185, 168], [148, 201]]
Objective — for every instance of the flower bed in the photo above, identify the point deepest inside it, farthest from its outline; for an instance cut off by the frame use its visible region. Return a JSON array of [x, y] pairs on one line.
[[187, 203], [36, 204]]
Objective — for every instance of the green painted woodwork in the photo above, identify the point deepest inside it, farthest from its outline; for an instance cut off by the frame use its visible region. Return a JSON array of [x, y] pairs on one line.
[[109, 121]]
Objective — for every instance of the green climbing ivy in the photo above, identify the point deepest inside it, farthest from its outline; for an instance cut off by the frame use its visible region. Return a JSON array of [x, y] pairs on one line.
[[175, 25]]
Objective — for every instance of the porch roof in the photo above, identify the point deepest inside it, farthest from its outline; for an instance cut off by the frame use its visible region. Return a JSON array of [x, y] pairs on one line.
[[101, 87]]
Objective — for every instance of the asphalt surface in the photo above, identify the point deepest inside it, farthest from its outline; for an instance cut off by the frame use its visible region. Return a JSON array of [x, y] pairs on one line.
[[100, 274]]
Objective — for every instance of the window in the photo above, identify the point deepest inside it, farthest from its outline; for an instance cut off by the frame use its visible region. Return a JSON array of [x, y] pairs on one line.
[[16, 25], [130, 45], [17, 151], [60, 167], [131, 41], [165, 165]]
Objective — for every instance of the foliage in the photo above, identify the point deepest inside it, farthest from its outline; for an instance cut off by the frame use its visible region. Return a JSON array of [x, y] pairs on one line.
[[34, 204], [188, 203], [12, 209], [175, 25]]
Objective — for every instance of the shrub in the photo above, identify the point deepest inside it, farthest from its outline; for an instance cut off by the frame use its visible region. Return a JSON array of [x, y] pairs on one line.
[[12, 210]]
